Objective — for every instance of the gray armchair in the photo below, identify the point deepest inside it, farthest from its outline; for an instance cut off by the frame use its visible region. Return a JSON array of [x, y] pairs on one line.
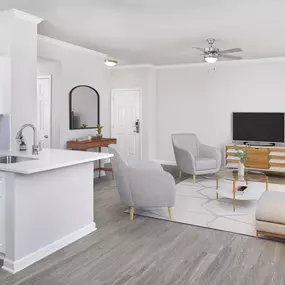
[[142, 184], [195, 158]]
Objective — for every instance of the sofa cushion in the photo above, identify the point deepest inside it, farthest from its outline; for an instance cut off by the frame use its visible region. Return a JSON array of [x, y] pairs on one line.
[[270, 207], [204, 163], [268, 227]]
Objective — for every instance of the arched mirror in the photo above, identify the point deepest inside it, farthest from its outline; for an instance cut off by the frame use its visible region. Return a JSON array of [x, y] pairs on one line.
[[84, 108]]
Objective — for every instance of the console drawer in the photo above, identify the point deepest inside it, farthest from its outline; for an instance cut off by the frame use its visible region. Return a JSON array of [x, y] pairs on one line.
[[257, 161], [257, 151]]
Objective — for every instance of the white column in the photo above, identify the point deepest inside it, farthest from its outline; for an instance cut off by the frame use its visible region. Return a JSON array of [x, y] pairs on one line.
[[18, 35]]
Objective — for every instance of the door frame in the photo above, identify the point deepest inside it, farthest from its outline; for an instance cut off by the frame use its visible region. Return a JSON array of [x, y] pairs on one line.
[[113, 90], [49, 77]]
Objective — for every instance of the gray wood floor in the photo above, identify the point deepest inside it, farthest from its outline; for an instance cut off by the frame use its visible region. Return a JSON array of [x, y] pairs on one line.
[[149, 251]]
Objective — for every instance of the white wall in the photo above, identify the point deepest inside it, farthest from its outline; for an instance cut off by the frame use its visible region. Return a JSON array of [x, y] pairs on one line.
[[78, 66], [143, 78], [53, 68], [19, 45], [201, 98], [5, 89]]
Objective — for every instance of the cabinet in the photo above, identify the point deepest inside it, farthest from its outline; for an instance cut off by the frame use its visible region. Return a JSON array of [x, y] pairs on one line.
[[267, 159], [2, 213], [5, 89]]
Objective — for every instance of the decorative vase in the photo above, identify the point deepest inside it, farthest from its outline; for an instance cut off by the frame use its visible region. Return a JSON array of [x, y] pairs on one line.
[[99, 136], [240, 170]]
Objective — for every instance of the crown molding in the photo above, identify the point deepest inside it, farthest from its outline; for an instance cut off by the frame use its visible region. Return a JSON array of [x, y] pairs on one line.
[[69, 46], [181, 65], [133, 66], [219, 63], [201, 64], [24, 16]]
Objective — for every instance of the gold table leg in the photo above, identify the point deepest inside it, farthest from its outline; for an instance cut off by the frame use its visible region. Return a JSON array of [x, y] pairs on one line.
[[132, 212], [234, 195], [170, 213], [217, 186], [266, 180]]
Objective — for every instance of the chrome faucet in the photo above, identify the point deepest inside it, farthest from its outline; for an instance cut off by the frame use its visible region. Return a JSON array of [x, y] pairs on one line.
[[35, 147]]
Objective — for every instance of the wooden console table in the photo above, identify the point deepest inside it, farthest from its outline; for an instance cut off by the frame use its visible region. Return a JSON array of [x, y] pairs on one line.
[[85, 145], [261, 158]]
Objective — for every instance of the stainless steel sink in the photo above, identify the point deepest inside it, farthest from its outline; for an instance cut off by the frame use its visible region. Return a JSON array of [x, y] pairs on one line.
[[13, 159]]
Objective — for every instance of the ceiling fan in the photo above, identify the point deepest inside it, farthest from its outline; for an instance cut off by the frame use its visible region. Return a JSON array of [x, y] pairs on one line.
[[212, 54]]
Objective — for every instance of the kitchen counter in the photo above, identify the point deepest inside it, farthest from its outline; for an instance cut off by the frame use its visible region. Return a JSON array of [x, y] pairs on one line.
[[49, 159], [45, 203]]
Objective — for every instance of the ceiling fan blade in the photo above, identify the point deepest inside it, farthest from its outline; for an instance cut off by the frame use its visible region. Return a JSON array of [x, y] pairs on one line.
[[230, 56], [231, 50], [199, 48]]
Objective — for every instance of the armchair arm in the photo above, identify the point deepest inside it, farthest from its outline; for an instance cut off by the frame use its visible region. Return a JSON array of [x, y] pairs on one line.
[[212, 152], [151, 188], [185, 160], [144, 164]]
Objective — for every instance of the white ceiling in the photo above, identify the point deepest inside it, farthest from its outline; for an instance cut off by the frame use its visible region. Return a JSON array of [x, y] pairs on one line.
[[162, 32]]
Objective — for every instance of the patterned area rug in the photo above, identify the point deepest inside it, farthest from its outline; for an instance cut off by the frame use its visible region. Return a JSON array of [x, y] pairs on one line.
[[196, 204]]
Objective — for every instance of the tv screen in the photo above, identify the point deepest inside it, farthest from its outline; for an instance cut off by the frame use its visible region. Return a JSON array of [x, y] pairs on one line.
[[260, 127]]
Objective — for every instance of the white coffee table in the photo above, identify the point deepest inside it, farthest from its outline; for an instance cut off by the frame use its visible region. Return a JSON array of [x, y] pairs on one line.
[[231, 192]]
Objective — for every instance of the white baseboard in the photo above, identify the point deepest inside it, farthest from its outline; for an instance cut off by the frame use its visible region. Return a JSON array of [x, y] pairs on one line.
[[165, 162], [18, 265]]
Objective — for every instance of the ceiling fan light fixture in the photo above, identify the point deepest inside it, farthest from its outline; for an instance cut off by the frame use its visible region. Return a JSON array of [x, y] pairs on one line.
[[211, 58], [110, 62]]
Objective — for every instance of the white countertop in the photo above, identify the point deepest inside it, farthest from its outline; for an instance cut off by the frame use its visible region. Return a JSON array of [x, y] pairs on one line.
[[49, 159]]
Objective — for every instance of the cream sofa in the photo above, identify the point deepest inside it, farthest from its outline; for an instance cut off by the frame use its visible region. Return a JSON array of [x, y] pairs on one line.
[[270, 214]]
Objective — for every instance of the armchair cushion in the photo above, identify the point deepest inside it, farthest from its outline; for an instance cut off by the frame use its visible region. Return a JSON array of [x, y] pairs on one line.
[[144, 164], [205, 163], [151, 188]]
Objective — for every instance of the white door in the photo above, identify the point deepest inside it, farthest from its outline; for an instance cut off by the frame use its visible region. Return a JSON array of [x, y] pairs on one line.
[[44, 109], [126, 120]]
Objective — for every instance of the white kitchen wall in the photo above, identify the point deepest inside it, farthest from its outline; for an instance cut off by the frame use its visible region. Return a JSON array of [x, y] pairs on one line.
[[200, 98], [5, 88], [19, 44], [143, 78], [78, 66]]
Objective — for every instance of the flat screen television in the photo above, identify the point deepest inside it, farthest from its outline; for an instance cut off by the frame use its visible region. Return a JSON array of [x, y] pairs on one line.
[[258, 127]]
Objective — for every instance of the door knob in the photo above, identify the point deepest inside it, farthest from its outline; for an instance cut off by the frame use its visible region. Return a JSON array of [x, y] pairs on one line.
[[137, 126], [46, 136]]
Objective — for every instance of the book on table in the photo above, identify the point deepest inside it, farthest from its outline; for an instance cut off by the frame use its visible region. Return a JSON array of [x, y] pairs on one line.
[[240, 190]]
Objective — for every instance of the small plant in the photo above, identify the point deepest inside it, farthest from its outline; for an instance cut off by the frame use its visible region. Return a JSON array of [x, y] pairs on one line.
[[99, 129], [83, 126], [242, 154]]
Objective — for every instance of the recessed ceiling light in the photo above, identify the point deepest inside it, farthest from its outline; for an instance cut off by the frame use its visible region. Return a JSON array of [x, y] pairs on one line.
[[110, 62]]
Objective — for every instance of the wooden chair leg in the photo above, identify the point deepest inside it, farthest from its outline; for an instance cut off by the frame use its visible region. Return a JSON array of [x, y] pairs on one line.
[[194, 178], [112, 174], [256, 235], [132, 212], [170, 213]]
